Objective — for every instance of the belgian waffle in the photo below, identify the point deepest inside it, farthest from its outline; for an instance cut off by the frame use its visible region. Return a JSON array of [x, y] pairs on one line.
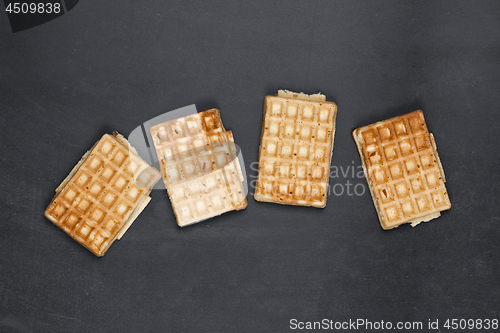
[[296, 149], [103, 195], [403, 170], [199, 166]]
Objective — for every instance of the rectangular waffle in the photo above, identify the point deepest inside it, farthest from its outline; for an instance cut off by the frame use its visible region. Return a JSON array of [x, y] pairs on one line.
[[103, 194], [296, 149], [199, 166], [403, 170]]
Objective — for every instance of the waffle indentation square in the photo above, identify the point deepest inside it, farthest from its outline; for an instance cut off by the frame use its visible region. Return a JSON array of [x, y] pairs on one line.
[[71, 221], [274, 128], [402, 189], [380, 176], [427, 161], [308, 112], [276, 109], [268, 168], [390, 153], [83, 179], [211, 122], [107, 173], [70, 195], [324, 115], [285, 171], [317, 172], [321, 134], [416, 124], [193, 127], [301, 171], [423, 203], [106, 148], [386, 194], [189, 168], [319, 154], [289, 131], [119, 158], [433, 180], [83, 205], [59, 211], [406, 147], [417, 185], [162, 135], [384, 133], [299, 192], [120, 183], [286, 150], [369, 137], [271, 149], [303, 152], [96, 189], [392, 213], [396, 170], [177, 130], [408, 209], [292, 111], [201, 207], [411, 166], [98, 240], [134, 193], [217, 202], [267, 187], [400, 128], [85, 230], [132, 168], [95, 163], [374, 155], [110, 225], [109, 199], [305, 132], [97, 215], [122, 210], [437, 199], [421, 142]]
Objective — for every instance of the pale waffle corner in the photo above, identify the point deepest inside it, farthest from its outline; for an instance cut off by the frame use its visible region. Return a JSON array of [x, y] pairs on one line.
[[296, 149], [103, 194], [403, 170], [199, 167]]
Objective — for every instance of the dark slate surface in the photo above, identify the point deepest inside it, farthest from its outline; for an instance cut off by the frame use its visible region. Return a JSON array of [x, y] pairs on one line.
[[111, 65]]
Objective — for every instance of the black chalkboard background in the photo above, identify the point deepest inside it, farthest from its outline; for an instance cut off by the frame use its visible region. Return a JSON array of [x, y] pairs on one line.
[[111, 65]]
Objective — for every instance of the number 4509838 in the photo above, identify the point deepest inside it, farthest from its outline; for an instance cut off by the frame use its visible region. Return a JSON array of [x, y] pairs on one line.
[[477, 324], [39, 8]]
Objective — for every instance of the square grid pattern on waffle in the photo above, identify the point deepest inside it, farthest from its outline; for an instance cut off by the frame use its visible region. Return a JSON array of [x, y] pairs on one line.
[[101, 196], [403, 170], [199, 166], [295, 152]]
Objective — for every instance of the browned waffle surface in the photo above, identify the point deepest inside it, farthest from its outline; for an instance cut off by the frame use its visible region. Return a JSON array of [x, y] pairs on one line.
[[296, 149], [199, 166], [403, 170], [103, 194]]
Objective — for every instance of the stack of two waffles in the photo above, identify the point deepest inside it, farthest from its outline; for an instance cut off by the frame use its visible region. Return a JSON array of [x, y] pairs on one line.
[[199, 166]]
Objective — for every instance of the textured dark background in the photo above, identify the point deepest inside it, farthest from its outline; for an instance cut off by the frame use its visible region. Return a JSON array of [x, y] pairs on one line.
[[111, 65]]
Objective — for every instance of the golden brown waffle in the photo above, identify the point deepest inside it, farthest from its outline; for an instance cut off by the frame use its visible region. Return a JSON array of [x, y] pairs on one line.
[[103, 194], [403, 170], [296, 149], [199, 166]]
